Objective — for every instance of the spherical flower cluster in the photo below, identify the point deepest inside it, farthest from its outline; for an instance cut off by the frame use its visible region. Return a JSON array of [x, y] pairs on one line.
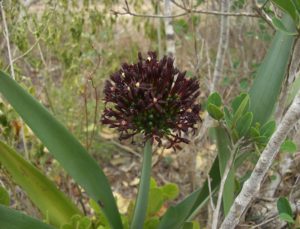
[[151, 97]]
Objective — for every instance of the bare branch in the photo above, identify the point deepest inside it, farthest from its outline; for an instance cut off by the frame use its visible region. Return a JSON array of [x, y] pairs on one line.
[[127, 11], [6, 34], [252, 185], [210, 193], [222, 47], [170, 37], [216, 13], [12, 70]]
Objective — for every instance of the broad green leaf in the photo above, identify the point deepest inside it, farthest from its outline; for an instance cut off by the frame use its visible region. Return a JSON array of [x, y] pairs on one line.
[[215, 99], [170, 191], [268, 129], [261, 140], [4, 197], [243, 124], [215, 112], [254, 133], [78, 222], [191, 225], [204, 193], [243, 107], [280, 26], [64, 147], [236, 102], [270, 74], [12, 219], [156, 201], [287, 6], [85, 223], [223, 143], [151, 223], [283, 206], [288, 146], [228, 117], [287, 218], [176, 215], [153, 183], [54, 205], [296, 4]]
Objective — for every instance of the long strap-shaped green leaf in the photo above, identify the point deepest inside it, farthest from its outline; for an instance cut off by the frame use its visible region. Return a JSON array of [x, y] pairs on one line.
[[224, 153], [186, 209], [43, 193], [64, 147], [11, 219], [270, 74], [176, 215]]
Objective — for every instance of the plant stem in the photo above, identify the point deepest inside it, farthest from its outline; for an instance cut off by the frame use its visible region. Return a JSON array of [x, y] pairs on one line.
[[222, 47], [7, 41], [141, 204]]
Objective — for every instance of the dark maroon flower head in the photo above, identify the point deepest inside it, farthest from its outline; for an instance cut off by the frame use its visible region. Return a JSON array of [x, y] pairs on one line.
[[151, 97]]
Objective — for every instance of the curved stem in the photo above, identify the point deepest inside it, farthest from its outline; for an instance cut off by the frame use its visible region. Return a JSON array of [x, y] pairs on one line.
[[140, 209]]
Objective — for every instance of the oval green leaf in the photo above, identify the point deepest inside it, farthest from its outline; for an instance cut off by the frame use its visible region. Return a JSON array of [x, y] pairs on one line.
[[215, 112], [215, 99], [287, 218], [283, 206], [288, 146], [244, 123]]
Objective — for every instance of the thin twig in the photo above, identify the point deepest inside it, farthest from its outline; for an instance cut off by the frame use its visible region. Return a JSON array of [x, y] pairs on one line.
[[37, 40], [127, 11], [170, 36], [264, 16], [89, 78], [222, 46], [261, 224], [158, 32], [212, 205], [22, 132], [217, 13], [126, 148], [6, 35], [218, 68], [28, 50]]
